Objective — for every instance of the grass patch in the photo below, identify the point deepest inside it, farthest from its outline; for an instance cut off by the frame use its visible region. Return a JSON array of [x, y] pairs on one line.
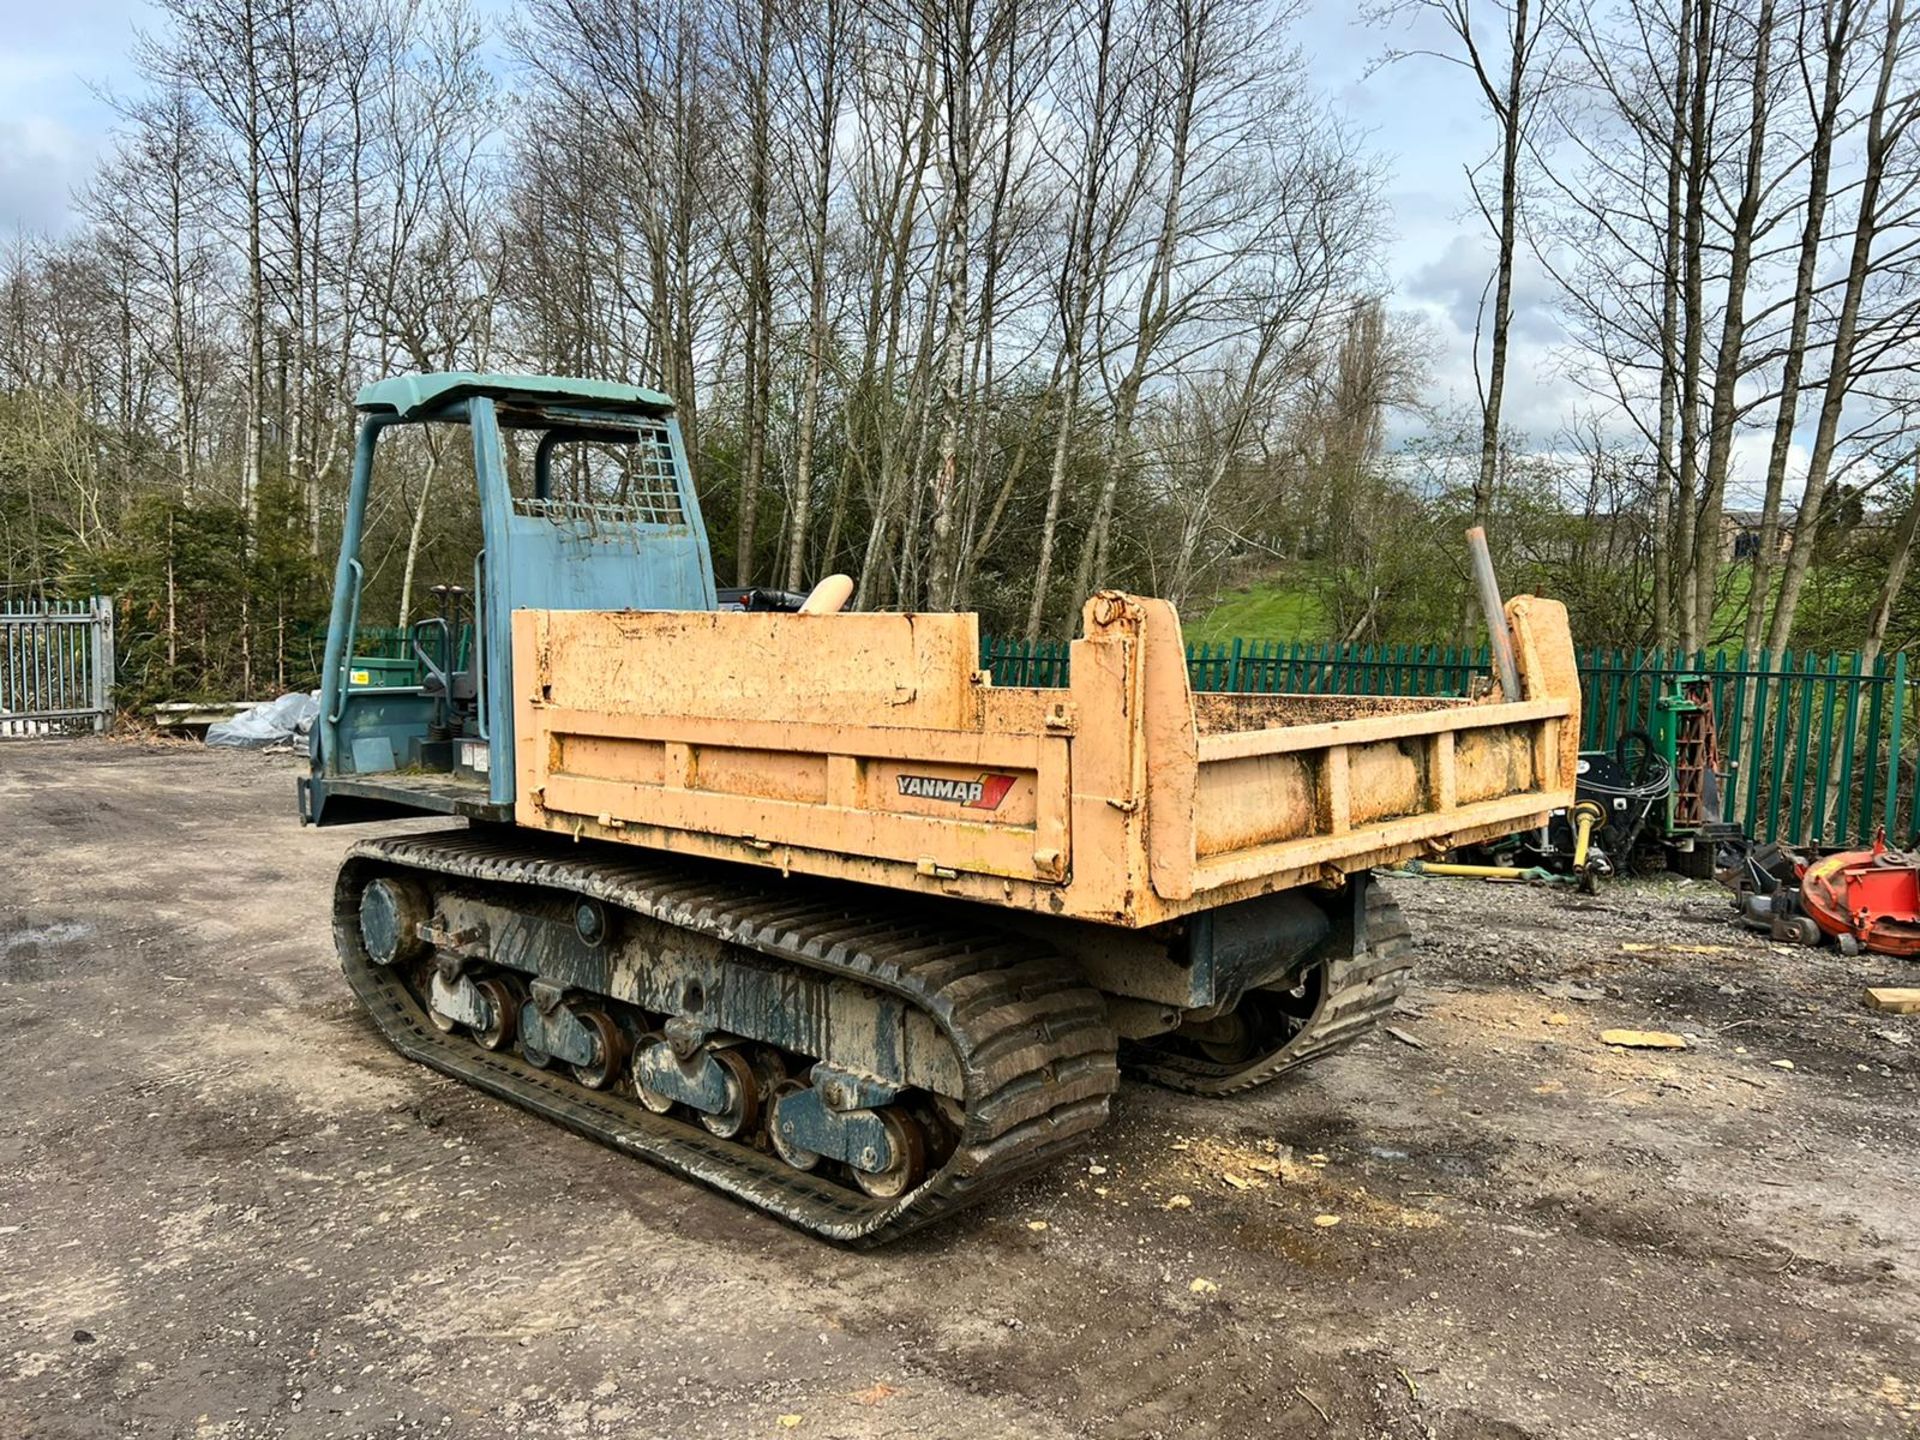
[[1273, 608]]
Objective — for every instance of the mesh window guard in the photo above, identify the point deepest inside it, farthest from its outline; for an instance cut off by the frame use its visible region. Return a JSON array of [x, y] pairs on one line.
[[645, 490]]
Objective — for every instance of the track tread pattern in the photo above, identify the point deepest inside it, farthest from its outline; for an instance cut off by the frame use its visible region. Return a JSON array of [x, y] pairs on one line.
[[1035, 1047], [1361, 991]]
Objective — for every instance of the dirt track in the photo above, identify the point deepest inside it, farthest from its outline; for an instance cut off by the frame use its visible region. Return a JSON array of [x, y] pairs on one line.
[[227, 1209]]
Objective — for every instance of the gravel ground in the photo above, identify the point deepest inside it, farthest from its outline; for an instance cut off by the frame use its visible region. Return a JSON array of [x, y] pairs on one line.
[[226, 1208]]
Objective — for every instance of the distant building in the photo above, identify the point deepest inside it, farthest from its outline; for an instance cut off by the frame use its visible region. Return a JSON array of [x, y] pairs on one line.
[[1740, 534]]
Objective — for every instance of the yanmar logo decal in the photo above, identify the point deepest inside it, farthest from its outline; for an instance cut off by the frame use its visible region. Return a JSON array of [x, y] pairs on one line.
[[986, 793]]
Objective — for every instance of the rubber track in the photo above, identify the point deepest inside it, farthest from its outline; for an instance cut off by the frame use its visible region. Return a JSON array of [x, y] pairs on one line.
[[1359, 992], [1035, 1048]]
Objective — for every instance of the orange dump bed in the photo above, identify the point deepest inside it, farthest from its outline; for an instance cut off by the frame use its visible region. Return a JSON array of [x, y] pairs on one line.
[[873, 748]]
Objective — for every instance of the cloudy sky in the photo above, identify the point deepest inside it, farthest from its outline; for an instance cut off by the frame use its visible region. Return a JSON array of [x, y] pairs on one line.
[[63, 56]]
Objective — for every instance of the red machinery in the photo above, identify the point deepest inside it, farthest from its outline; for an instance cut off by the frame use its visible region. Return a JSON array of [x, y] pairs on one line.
[[1872, 896]]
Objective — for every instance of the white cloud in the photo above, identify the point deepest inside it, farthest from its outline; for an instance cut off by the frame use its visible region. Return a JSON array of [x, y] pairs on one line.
[[41, 161], [1458, 281], [53, 121]]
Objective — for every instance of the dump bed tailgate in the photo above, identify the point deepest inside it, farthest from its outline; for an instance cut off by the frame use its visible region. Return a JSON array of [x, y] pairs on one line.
[[871, 748]]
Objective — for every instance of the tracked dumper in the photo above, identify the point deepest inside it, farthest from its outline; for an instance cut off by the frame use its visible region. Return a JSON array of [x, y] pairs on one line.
[[802, 905]]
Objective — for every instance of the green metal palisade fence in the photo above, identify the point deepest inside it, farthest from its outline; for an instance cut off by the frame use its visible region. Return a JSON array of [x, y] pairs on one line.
[[1820, 749], [395, 642], [383, 642]]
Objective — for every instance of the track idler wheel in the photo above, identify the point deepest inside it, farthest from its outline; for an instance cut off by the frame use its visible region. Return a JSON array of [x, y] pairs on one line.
[[609, 1050], [905, 1166], [393, 909], [503, 1006], [1261, 1021]]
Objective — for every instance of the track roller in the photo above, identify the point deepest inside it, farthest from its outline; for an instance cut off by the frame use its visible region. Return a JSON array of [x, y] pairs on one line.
[[503, 1014], [850, 1118], [608, 1049], [588, 1040], [717, 1082]]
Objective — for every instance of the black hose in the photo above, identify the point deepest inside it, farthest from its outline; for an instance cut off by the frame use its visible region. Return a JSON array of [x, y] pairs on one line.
[[1652, 784]]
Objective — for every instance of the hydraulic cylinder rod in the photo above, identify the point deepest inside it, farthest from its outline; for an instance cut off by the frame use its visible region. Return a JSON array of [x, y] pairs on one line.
[[1533, 874], [1585, 816], [1498, 636]]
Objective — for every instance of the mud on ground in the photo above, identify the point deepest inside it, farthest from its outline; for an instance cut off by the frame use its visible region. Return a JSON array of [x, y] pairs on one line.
[[226, 1208]]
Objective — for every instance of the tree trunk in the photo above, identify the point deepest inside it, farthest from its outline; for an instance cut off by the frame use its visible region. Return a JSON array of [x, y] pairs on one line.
[[418, 529], [1153, 317], [1896, 576], [253, 459], [173, 612], [1693, 302], [1835, 39], [1721, 415], [1511, 129], [1880, 139], [816, 297], [1670, 282], [759, 360], [957, 175], [1078, 298]]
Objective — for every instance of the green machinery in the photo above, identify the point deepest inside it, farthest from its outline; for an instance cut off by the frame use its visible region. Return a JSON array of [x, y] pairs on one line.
[[1653, 802]]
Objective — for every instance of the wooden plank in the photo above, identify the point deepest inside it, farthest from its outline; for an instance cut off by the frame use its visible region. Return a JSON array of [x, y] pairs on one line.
[[184, 714], [1894, 999], [1643, 1039]]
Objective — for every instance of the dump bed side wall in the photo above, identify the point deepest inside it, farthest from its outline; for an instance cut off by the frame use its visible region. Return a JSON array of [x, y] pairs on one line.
[[865, 736]]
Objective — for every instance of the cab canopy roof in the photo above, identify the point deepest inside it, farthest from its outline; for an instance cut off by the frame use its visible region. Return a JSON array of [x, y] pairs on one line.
[[409, 397]]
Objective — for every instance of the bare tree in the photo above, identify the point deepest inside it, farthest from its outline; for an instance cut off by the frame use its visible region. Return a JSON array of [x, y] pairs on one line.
[[1886, 189], [820, 46], [218, 52], [1502, 48], [1835, 26], [1698, 609], [1099, 217]]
